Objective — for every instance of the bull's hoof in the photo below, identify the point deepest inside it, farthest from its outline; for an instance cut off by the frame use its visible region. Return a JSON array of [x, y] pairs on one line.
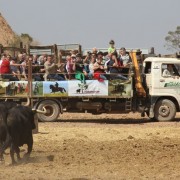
[[26, 156], [14, 163]]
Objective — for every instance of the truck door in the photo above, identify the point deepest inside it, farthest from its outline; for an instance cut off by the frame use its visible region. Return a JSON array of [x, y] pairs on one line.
[[170, 80]]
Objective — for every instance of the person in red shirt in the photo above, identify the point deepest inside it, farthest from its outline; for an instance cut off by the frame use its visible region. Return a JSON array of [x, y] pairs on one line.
[[5, 68], [4, 65]]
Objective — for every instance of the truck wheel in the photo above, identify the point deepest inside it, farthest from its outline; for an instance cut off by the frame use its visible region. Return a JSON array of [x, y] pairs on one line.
[[165, 110], [53, 111]]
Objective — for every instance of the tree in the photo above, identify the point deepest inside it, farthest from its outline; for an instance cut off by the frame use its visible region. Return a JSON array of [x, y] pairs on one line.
[[26, 39], [173, 40]]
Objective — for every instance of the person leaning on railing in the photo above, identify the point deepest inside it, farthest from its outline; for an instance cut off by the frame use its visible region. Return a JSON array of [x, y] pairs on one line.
[[78, 67], [99, 70], [91, 66], [14, 68], [36, 69], [124, 57], [114, 65], [5, 69], [69, 66], [51, 70]]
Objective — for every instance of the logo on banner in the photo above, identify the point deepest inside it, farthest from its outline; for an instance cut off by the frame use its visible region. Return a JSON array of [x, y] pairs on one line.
[[90, 87]]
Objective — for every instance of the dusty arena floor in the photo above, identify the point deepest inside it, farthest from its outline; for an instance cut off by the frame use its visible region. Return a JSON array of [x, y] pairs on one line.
[[84, 147]]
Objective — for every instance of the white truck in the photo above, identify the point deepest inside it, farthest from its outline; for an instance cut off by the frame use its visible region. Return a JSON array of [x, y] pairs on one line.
[[163, 89], [153, 89]]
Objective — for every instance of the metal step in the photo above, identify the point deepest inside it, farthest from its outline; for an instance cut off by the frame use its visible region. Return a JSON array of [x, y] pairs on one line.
[[128, 105]]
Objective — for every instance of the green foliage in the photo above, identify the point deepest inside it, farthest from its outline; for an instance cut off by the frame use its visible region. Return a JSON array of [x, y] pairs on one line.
[[25, 38], [173, 40]]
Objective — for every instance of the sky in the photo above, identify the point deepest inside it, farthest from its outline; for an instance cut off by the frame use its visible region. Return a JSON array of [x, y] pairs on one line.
[[93, 23]]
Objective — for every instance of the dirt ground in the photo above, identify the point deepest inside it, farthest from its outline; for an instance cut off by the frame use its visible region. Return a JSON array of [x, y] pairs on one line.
[[84, 147]]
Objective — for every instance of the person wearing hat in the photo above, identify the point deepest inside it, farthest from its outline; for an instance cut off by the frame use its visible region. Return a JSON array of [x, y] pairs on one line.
[[78, 68], [111, 48], [99, 70]]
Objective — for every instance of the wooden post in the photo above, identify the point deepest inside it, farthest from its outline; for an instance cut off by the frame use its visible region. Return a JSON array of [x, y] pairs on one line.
[[30, 79], [27, 49], [30, 94], [21, 45], [55, 53], [80, 49], [1, 49]]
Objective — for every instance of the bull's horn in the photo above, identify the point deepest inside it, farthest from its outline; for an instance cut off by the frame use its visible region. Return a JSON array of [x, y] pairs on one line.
[[6, 100], [34, 110], [42, 112], [28, 102]]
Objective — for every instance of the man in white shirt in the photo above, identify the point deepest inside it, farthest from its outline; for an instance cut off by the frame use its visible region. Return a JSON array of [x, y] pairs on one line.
[[169, 71], [124, 57]]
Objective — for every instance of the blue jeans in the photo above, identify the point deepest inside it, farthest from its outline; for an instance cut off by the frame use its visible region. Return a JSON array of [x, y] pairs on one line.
[[102, 77], [55, 76], [10, 77]]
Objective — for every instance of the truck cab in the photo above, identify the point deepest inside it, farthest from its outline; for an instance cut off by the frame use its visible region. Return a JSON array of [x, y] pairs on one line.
[[162, 76]]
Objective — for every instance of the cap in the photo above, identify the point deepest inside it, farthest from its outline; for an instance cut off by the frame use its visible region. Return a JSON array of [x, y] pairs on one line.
[[100, 53], [111, 42]]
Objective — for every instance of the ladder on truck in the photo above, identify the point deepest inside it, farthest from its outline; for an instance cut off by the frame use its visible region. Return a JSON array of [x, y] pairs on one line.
[[128, 105]]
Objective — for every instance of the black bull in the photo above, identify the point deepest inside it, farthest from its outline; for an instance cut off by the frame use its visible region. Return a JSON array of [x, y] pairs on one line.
[[16, 125]]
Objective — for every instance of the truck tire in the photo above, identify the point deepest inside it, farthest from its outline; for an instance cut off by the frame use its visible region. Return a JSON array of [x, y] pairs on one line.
[[53, 111], [165, 110]]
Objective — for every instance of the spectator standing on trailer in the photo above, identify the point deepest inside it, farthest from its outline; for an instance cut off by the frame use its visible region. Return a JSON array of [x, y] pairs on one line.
[[111, 48], [114, 66], [51, 70], [99, 70], [124, 57], [79, 69]]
